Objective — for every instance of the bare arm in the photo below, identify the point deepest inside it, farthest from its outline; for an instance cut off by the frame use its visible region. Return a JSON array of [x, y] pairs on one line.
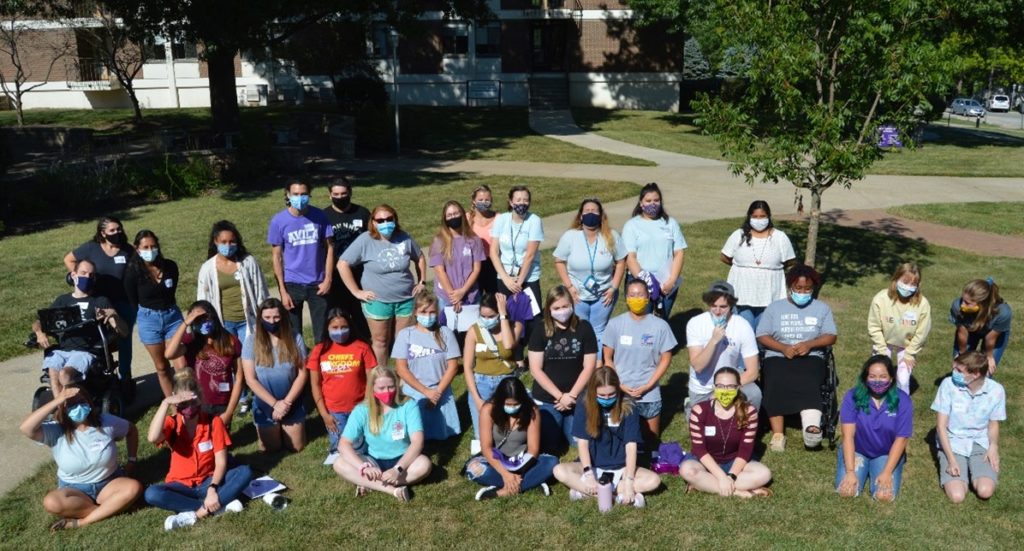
[[633, 265], [257, 388], [402, 369], [536, 360], [666, 358], [236, 394], [524, 271], [69, 261], [32, 426], [277, 258], [727, 260], [449, 374], [752, 370]]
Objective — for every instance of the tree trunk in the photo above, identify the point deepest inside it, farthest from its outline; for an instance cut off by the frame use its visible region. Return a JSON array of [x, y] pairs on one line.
[[136, 110], [812, 227], [19, 112], [223, 96]]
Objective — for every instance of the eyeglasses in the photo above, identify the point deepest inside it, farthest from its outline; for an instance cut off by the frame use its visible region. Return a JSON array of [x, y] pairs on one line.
[[383, 220], [727, 387]]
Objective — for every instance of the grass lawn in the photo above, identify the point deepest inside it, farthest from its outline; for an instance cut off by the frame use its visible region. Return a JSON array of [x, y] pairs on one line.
[[1001, 218], [805, 512], [33, 274], [947, 151]]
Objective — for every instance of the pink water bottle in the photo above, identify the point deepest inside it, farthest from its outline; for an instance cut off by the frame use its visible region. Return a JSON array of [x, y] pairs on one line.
[[605, 491]]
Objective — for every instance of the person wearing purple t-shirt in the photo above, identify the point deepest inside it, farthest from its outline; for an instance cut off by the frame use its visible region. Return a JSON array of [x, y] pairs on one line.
[[456, 255], [301, 239], [877, 419]]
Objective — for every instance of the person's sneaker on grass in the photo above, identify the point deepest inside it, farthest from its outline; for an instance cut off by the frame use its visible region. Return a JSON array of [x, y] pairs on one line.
[[489, 492], [234, 507], [545, 488], [180, 520], [576, 495]]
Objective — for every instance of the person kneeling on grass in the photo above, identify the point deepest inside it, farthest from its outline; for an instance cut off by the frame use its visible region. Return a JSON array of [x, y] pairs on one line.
[[200, 482], [90, 486], [607, 437], [722, 432], [392, 429], [877, 420], [969, 407], [510, 443]]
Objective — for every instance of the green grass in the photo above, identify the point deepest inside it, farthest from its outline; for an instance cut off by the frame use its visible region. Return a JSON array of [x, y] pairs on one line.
[[805, 512], [675, 132], [33, 273], [1001, 218]]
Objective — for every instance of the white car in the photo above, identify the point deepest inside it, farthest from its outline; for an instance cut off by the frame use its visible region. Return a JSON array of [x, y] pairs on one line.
[[998, 102]]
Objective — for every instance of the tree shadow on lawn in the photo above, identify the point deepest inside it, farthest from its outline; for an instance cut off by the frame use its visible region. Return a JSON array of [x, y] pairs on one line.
[[936, 134], [847, 255], [592, 118]]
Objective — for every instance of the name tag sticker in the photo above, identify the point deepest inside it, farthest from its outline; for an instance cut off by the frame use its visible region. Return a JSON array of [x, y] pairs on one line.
[[481, 347], [810, 320], [398, 431], [98, 445], [119, 260], [224, 387], [910, 316], [710, 431], [626, 340], [960, 407], [357, 223], [206, 446], [168, 283]]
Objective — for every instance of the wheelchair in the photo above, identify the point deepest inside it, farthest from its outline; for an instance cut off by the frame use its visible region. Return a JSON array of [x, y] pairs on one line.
[[102, 381], [829, 397]]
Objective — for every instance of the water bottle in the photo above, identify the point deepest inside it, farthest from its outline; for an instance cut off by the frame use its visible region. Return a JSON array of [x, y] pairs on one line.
[[276, 501], [605, 492]]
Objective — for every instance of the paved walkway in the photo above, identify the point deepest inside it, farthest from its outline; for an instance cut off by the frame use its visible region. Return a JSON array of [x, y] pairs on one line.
[[695, 189]]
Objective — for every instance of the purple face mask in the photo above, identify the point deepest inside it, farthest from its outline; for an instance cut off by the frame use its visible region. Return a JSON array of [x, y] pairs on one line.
[[879, 388]]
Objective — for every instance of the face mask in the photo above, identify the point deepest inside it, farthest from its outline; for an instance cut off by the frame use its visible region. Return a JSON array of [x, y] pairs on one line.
[[79, 412], [652, 209], [800, 299], [341, 202], [454, 223], [116, 239], [385, 397], [270, 327], [759, 224], [149, 255], [970, 309], [489, 323], [428, 320], [521, 208], [959, 379], [561, 316], [189, 411], [386, 228], [905, 291], [298, 202], [726, 396], [607, 402], [637, 305], [512, 410], [207, 328], [83, 283], [227, 250], [879, 388], [591, 220], [339, 336], [482, 206], [720, 321]]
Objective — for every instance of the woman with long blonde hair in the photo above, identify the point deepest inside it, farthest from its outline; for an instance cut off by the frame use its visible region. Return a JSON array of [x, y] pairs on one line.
[[899, 321], [391, 429], [982, 320]]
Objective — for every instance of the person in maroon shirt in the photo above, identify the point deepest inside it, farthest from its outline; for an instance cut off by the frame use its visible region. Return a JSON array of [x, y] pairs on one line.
[[722, 433]]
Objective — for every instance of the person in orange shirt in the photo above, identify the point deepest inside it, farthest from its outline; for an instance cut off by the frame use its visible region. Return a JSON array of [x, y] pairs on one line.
[[337, 373], [199, 482]]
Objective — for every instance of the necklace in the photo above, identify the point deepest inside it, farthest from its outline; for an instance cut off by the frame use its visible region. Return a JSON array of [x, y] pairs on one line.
[[764, 247], [725, 431]]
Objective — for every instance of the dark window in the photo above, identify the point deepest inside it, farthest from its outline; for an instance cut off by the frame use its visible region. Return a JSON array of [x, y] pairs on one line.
[[154, 50], [488, 40], [455, 39]]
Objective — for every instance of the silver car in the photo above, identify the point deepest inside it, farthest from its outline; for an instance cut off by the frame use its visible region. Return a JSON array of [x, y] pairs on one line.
[[967, 107], [998, 102]]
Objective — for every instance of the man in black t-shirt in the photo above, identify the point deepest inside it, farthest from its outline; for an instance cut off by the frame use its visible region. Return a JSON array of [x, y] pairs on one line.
[[74, 347], [348, 221]]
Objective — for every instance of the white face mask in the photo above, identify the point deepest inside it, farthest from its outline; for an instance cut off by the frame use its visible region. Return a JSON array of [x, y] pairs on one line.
[[759, 224]]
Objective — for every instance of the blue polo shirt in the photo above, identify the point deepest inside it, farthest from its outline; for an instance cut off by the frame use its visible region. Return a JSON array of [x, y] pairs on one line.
[[608, 450], [877, 428]]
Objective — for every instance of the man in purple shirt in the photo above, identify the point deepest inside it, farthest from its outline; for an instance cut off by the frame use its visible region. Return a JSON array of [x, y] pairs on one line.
[[301, 239]]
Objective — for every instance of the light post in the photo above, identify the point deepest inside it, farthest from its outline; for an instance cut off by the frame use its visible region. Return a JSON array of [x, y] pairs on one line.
[[394, 84]]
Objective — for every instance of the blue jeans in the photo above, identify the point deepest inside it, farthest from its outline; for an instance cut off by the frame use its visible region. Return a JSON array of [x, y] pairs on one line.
[[667, 302], [124, 344], [158, 326], [240, 330], [179, 498], [554, 426], [751, 313], [976, 342], [597, 314], [537, 474], [334, 437], [485, 387], [870, 468]]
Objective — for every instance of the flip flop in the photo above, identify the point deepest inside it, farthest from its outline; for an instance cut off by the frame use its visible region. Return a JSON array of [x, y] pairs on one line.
[[402, 493], [762, 492], [361, 491], [64, 524]]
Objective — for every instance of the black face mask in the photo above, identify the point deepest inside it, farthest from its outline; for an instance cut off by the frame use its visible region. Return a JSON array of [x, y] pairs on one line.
[[116, 239], [454, 223], [341, 203]]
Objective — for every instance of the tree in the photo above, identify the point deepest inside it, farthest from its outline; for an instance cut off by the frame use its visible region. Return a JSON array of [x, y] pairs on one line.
[[119, 48], [20, 43], [822, 77]]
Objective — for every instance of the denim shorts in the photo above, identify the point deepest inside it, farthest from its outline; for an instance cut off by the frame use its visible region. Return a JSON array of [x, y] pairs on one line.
[[647, 410], [92, 489], [262, 414], [384, 311], [383, 464], [157, 326]]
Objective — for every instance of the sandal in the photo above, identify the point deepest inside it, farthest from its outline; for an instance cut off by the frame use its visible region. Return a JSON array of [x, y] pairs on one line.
[[778, 443], [361, 491], [402, 493], [64, 524], [763, 491]]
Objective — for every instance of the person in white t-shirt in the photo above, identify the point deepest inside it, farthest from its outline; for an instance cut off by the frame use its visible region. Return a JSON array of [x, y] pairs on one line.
[[718, 339]]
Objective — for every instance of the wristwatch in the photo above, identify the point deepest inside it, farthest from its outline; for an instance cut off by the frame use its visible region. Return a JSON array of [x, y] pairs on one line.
[[399, 469], [732, 476], [214, 485], [502, 318]]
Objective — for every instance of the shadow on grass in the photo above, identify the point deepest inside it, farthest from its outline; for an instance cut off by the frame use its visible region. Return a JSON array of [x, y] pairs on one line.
[[593, 119], [939, 134]]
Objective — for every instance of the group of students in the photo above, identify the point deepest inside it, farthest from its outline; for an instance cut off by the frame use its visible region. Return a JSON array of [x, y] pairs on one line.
[[595, 378]]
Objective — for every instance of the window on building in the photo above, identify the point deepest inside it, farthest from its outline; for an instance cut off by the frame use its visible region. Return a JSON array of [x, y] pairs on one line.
[[488, 40], [455, 39], [181, 51], [184, 51], [378, 42]]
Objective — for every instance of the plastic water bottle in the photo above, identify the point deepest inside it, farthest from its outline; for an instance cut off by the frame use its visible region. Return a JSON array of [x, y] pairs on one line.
[[604, 493], [276, 501]]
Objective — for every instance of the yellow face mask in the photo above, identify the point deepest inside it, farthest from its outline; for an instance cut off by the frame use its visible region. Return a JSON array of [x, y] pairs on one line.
[[637, 305], [726, 397], [970, 309]]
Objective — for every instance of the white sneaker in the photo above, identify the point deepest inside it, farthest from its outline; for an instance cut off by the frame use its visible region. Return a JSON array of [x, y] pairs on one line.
[[234, 507], [575, 495], [180, 520], [488, 492], [545, 488], [639, 501]]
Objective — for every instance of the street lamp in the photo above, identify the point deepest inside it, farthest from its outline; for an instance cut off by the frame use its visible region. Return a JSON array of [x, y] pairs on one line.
[[394, 84]]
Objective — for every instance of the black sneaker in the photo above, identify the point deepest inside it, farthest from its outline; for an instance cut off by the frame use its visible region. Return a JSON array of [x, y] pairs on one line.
[[490, 492]]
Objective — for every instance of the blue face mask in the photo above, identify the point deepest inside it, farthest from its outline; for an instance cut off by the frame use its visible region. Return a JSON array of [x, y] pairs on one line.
[[427, 321], [386, 228], [298, 202], [512, 410], [79, 412], [489, 323], [521, 208], [591, 220], [339, 336], [905, 291], [607, 402], [270, 327], [149, 255], [227, 250], [720, 321], [206, 328], [958, 379], [800, 299], [84, 283]]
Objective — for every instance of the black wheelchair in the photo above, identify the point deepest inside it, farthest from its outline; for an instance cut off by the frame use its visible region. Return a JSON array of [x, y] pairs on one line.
[[829, 397]]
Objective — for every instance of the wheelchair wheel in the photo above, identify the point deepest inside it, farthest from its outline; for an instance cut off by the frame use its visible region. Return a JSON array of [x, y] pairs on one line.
[[42, 396], [112, 402]]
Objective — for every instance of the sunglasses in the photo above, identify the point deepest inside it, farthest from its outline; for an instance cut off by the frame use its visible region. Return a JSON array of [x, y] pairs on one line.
[[383, 220]]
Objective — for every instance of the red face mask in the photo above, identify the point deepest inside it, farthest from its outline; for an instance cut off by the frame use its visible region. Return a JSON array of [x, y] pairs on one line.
[[385, 397]]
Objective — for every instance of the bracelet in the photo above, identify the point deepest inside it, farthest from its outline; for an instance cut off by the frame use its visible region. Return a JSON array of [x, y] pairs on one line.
[[363, 467]]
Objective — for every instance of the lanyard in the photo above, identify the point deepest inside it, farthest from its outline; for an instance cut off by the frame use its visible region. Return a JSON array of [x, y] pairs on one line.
[[592, 255], [514, 237]]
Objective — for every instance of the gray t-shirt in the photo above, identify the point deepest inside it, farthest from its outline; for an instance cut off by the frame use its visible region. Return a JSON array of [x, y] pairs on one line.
[[638, 347], [92, 456], [427, 361], [385, 265], [790, 324]]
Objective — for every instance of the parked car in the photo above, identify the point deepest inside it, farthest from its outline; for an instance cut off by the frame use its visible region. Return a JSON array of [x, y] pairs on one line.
[[967, 107], [998, 102]]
